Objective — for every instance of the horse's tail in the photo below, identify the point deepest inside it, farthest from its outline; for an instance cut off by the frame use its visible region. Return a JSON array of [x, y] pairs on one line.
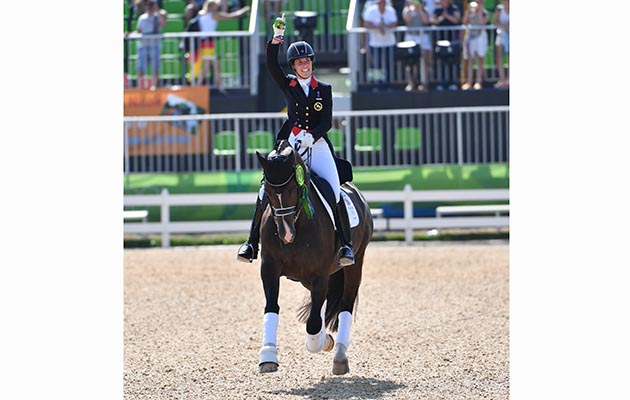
[[335, 293]]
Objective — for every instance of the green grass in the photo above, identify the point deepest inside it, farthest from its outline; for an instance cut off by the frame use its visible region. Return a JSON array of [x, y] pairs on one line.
[[486, 176], [478, 176]]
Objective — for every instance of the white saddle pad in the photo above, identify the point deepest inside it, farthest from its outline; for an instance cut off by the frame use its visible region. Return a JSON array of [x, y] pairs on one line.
[[353, 216]]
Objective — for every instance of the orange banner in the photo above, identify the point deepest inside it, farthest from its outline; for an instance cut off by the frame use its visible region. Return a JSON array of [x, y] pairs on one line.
[[167, 138]]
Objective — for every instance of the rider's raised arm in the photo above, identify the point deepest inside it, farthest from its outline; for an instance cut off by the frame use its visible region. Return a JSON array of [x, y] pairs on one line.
[[271, 55]]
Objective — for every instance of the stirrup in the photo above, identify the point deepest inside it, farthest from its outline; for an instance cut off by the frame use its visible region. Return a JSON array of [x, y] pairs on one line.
[[247, 253], [345, 255]]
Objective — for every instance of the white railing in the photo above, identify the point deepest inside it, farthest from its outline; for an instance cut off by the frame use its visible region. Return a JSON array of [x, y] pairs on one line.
[[366, 138], [407, 223]]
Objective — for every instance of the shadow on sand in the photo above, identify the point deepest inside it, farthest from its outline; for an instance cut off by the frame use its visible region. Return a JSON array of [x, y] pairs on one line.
[[344, 388]]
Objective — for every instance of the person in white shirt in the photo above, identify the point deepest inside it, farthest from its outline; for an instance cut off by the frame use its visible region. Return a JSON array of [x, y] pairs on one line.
[[380, 19]]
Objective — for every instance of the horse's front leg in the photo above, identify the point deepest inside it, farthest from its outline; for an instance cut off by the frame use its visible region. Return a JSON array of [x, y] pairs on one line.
[[316, 337], [269, 350]]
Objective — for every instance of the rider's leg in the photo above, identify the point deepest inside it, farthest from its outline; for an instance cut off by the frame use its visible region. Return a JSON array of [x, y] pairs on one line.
[[345, 254], [323, 164], [249, 250]]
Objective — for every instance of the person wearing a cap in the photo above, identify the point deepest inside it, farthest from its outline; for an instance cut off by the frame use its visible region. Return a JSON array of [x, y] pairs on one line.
[[309, 117]]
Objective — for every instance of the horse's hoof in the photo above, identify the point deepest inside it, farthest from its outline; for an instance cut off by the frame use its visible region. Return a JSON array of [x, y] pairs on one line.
[[267, 367], [340, 367], [329, 343]]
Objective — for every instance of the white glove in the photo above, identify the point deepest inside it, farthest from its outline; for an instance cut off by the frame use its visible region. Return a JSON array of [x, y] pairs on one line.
[[303, 140], [306, 140], [278, 28], [294, 138]]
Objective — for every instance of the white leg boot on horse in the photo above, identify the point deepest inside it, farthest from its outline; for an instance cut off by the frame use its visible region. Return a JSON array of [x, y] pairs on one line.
[[269, 350], [340, 359], [321, 341]]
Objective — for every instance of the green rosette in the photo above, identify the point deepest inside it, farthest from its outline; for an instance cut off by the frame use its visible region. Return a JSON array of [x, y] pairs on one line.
[[299, 175], [304, 198]]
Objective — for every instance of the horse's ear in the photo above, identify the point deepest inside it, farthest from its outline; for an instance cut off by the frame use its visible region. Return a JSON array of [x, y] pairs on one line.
[[262, 160]]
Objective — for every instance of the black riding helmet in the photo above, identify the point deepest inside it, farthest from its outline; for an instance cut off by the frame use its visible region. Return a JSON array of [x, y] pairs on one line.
[[299, 50]]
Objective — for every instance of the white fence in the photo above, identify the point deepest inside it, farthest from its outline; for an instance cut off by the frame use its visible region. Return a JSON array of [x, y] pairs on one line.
[[407, 223]]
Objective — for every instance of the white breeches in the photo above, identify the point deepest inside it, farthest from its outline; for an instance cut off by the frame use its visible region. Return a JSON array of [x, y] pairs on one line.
[[323, 164]]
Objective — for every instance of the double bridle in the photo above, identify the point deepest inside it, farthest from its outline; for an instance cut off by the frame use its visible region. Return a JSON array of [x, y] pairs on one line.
[[281, 212]]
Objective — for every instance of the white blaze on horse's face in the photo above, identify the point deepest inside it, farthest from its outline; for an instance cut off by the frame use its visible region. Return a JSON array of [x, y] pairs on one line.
[[286, 229]]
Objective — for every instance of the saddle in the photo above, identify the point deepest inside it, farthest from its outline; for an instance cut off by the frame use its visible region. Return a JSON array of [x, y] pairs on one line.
[[344, 169], [325, 192]]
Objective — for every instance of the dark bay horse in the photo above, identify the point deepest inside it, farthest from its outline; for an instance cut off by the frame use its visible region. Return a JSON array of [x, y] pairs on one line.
[[298, 241]]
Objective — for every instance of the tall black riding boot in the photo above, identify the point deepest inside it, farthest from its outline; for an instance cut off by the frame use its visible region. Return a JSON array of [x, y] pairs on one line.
[[345, 255], [249, 250]]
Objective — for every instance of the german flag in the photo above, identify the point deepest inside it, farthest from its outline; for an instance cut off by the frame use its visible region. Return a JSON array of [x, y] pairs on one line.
[[205, 51]]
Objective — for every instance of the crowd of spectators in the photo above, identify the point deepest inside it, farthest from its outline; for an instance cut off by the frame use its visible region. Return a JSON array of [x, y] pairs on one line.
[[461, 51]]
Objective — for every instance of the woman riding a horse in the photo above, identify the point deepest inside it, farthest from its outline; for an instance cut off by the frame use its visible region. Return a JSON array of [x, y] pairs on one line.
[[309, 117]]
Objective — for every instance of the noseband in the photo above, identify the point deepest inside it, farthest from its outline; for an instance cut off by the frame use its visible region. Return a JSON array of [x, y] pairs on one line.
[[283, 211]]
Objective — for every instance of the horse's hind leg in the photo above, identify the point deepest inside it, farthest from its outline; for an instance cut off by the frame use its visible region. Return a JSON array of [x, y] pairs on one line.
[[352, 280], [269, 351], [316, 337]]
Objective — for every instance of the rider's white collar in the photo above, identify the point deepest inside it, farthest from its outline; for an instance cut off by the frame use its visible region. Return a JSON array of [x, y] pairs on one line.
[[305, 83]]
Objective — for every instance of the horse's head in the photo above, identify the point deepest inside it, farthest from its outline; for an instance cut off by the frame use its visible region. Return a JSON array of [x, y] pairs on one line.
[[285, 176]]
